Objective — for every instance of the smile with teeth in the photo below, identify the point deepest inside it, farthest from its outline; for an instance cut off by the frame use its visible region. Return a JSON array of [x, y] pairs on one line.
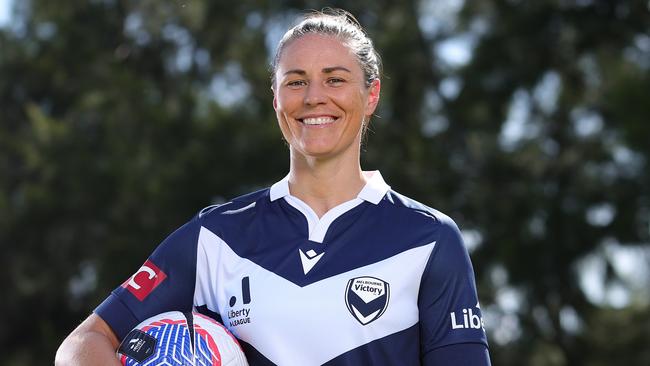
[[318, 120]]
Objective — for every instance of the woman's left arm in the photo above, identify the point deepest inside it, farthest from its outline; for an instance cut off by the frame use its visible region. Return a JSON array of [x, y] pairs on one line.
[[451, 324]]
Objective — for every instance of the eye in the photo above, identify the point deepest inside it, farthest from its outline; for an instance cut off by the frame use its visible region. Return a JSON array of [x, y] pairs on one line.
[[335, 81], [294, 84]]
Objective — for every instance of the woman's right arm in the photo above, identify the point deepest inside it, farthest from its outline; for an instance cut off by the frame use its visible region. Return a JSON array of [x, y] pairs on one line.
[[93, 342], [170, 271]]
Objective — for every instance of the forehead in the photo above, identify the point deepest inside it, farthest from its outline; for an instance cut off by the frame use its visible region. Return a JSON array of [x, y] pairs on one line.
[[316, 50]]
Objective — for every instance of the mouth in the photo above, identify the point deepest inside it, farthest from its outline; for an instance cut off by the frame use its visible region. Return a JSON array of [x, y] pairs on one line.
[[317, 121]]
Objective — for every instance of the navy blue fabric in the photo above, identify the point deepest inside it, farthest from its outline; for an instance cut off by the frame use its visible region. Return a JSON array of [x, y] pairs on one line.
[[448, 286], [460, 354], [400, 348], [371, 228], [382, 352], [176, 257], [392, 350], [269, 233]]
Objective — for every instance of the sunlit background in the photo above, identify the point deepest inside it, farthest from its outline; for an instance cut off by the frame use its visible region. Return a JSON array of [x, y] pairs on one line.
[[528, 123]]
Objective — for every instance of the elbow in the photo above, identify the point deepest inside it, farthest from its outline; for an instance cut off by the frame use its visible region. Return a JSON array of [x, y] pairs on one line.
[[64, 354]]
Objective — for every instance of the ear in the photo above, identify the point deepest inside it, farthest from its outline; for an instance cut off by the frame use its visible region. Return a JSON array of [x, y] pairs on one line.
[[373, 97], [275, 100]]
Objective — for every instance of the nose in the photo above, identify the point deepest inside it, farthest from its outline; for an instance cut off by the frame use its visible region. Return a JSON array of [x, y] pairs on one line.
[[314, 94]]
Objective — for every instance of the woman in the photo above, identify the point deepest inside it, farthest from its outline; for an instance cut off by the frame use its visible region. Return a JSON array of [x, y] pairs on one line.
[[329, 265]]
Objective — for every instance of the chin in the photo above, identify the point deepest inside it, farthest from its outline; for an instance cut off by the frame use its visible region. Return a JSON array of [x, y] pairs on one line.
[[317, 148], [316, 152]]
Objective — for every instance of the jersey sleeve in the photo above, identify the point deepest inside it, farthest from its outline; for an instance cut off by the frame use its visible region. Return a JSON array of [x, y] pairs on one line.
[[450, 313], [461, 354], [164, 282]]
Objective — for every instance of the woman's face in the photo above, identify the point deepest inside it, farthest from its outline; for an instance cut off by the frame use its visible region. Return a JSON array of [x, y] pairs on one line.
[[320, 97]]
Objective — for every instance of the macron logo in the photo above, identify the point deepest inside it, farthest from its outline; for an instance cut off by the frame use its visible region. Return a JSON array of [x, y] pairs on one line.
[[145, 280], [309, 259]]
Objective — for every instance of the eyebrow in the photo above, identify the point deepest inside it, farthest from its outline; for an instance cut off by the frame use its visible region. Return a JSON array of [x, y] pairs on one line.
[[326, 70]]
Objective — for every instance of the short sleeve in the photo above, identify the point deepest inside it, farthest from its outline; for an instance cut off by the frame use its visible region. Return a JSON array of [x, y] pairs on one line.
[[449, 309], [460, 354], [164, 282]]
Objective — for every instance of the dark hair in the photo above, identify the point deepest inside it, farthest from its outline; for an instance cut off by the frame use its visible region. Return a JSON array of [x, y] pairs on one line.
[[342, 25]]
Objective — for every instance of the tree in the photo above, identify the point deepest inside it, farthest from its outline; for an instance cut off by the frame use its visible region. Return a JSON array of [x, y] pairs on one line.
[[120, 120]]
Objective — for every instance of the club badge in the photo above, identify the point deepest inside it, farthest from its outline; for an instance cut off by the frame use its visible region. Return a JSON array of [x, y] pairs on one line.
[[367, 298]]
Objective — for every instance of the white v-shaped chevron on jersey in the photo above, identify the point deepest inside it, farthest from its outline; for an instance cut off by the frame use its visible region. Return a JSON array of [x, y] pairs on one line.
[[365, 319], [309, 262], [286, 322]]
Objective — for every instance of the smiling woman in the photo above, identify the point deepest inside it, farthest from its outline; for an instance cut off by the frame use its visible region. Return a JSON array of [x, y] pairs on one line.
[[322, 103], [328, 265], [326, 86]]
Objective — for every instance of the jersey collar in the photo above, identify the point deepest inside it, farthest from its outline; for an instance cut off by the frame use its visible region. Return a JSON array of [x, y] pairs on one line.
[[374, 190]]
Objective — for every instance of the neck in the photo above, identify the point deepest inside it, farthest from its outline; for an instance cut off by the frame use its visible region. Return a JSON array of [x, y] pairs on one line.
[[324, 184]]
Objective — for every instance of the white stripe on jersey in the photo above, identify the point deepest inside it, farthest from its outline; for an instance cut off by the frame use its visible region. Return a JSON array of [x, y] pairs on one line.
[[310, 325]]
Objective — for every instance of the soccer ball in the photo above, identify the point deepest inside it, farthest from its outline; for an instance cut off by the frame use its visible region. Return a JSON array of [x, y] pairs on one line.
[[180, 339]]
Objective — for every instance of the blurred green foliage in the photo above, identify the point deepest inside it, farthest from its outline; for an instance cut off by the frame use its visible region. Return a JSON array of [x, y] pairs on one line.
[[527, 122]]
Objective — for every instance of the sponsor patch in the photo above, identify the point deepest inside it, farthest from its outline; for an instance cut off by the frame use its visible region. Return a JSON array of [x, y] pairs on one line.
[[467, 318], [145, 280], [367, 298], [240, 315]]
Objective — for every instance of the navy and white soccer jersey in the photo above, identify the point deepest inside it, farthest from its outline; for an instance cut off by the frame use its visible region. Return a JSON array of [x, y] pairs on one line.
[[378, 280]]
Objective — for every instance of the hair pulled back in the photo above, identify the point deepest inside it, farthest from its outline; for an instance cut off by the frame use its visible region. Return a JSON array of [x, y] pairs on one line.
[[342, 25]]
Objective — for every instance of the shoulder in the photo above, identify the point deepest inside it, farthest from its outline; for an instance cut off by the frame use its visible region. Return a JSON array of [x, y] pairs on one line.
[[432, 223], [404, 205], [235, 205], [449, 252]]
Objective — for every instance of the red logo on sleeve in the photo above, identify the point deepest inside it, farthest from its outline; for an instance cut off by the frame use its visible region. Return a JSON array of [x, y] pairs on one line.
[[147, 278]]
